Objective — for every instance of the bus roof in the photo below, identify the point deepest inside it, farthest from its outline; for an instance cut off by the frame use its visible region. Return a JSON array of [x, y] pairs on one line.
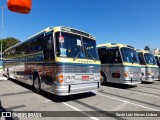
[[157, 55], [143, 51], [109, 45], [65, 29], [55, 29]]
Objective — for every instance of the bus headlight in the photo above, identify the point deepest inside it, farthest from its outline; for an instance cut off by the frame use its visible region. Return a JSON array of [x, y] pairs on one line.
[[150, 73], [97, 77], [70, 79], [73, 78]]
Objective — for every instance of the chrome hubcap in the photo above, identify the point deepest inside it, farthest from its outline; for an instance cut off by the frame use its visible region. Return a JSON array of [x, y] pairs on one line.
[[36, 83]]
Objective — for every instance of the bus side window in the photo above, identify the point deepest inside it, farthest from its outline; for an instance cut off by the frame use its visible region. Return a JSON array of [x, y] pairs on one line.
[[48, 49], [37, 44], [115, 56], [157, 61], [141, 59], [103, 55]]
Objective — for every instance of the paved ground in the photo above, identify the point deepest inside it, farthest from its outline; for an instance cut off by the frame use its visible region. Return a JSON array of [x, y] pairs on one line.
[[145, 97]]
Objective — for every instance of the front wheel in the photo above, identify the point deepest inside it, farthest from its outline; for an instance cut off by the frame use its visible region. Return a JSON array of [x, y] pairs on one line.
[[36, 84]]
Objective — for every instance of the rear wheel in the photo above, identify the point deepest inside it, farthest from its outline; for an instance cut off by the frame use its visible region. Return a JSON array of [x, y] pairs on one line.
[[103, 79], [36, 84]]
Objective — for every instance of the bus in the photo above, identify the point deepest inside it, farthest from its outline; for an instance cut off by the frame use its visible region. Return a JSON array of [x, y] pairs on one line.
[[119, 64], [59, 60], [149, 66], [157, 57]]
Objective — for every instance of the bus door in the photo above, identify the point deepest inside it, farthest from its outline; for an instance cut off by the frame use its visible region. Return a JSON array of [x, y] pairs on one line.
[[48, 66], [115, 67]]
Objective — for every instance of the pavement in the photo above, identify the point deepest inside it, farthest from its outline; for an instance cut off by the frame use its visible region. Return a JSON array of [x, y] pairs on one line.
[[113, 101], [1, 75]]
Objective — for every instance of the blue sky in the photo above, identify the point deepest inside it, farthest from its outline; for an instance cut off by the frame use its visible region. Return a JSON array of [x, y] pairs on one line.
[[133, 22]]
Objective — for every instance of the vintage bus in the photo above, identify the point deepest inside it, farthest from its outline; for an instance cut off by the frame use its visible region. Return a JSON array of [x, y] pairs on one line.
[[157, 57], [119, 64], [60, 60], [149, 66]]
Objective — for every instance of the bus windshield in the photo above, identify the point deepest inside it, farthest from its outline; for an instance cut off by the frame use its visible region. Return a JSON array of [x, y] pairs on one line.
[[129, 55], [75, 46], [150, 58]]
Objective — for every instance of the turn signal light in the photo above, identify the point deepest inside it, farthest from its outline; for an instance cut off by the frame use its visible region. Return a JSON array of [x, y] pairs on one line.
[[59, 78], [126, 74]]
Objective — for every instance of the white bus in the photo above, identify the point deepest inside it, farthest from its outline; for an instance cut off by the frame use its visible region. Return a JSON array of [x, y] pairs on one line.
[[60, 60], [119, 64], [149, 66]]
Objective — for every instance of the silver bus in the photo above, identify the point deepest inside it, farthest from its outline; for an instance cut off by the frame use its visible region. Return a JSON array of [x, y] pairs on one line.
[[119, 64], [59, 60], [149, 66]]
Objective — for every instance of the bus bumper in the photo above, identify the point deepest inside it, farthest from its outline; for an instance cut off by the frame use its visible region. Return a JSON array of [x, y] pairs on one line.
[[63, 90], [131, 82], [149, 79]]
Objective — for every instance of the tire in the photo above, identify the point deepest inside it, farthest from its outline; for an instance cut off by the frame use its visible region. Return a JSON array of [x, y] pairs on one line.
[[7, 74], [103, 79], [36, 84]]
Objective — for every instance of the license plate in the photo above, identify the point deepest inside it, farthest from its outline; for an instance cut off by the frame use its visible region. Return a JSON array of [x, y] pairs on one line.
[[85, 77]]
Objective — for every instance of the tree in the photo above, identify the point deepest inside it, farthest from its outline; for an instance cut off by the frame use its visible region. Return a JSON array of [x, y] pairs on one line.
[[147, 48], [8, 42]]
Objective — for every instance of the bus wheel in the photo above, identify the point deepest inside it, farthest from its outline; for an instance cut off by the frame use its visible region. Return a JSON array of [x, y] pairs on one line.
[[103, 80], [36, 84]]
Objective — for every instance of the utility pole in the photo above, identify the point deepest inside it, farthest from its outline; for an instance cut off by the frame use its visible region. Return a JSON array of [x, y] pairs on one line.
[[2, 7]]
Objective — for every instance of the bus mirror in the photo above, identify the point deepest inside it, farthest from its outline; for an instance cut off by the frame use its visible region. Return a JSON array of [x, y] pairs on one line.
[[20, 6]]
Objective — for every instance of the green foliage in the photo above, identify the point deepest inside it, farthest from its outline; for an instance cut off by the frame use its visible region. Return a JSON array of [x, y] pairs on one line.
[[8, 42]]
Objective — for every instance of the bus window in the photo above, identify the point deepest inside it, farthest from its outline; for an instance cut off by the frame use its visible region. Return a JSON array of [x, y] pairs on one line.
[[115, 56], [48, 49], [157, 60], [37, 44], [69, 45], [1, 62], [129, 55], [90, 48], [141, 59], [150, 59], [103, 55]]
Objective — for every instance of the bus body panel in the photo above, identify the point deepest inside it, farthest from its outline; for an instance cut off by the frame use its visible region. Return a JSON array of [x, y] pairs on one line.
[[150, 73], [134, 74]]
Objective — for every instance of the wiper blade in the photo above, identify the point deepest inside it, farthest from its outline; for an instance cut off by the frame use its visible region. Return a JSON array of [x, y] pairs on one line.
[[134, 59], [77, 55], [91, 56]]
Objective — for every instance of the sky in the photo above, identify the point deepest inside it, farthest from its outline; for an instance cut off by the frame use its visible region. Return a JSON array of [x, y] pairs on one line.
[[133, 22]]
